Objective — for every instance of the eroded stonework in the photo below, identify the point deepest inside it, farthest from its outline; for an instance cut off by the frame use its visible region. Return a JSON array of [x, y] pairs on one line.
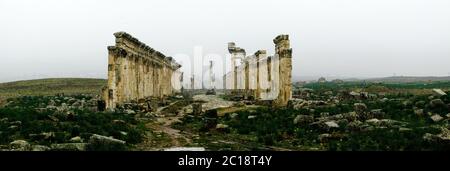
[[136, 72], [265, 77]]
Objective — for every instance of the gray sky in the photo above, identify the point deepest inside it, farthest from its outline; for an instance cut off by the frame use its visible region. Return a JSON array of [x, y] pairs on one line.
[[344, 38]]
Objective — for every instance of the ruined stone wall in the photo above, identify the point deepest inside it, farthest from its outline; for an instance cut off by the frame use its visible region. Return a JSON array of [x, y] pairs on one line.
[[136, 71], [268, 77]]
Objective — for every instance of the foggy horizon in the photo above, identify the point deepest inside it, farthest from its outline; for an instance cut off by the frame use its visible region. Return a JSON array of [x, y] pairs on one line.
[[331, 39]]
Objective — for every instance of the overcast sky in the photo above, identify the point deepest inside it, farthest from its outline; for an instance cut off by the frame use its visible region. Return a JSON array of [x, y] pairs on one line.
[[344, 38]]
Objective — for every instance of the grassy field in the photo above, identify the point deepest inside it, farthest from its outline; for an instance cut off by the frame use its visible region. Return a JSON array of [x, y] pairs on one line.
[[417, 88], [51, 86]]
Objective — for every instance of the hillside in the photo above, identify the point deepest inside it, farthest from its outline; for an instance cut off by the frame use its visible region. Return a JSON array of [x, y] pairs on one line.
[[407, 79], [51, 86]]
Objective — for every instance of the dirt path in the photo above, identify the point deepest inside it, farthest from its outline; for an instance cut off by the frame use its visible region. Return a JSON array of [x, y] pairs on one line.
[[162, 126]]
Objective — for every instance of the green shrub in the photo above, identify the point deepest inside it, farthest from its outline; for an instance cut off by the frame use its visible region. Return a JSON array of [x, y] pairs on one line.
[[84, 124]]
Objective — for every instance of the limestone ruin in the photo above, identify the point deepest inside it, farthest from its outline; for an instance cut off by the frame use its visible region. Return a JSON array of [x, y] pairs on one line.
[[137, 72], [260, 76]]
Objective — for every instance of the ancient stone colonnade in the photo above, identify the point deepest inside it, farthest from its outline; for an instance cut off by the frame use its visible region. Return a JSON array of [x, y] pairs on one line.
[[136, 72], [264, 77]]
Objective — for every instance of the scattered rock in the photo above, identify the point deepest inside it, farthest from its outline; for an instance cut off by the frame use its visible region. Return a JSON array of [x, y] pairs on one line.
[[348, 116], [329, 93], [118, 121], [373, 96], [407, 103], [17, 123], [238, 104], [130, 112], [342, 122], [76, 139], [436, 103], [69, 147], [71, 100], [251, 117], [51, 107], [53, 118], [355, 125], [355, 94], [377, 113], [365, 115], [360, 107], [391, 123], [439, 92], [303, 119], [47, 135], [40, 110], [221, 127], [402, 129], [324, 114], [373, 121], [323, 137], [185, 149], [42, 136], [436, 118], [40, 148], [429, 137], [330, 125], [13, 127], [51, 103], [63, 107], [19, 145], [104, 143], [234, 115], [418, 112], [441, 138], [77, 104], [387, 123], [4, 120]]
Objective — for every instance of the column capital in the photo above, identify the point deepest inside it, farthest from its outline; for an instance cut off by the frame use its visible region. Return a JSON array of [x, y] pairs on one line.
[[280, 38]]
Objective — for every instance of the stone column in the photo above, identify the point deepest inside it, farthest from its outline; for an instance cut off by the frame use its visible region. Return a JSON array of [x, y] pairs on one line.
[[236, 53], [246, 76], [260, 54], [110, 94], [284, 52]]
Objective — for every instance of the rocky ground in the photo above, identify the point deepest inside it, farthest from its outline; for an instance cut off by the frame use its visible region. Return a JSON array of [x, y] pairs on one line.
[[64, 113], [313, 120], [41, 123], [175, 139], [330, 120]]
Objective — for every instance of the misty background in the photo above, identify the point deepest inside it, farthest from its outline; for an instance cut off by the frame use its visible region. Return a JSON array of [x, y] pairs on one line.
[[330, 38]]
